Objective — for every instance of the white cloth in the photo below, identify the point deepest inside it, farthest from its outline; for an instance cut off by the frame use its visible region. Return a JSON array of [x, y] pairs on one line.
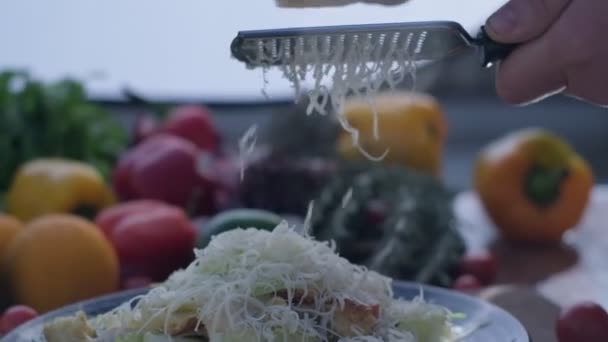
[[588, 280]]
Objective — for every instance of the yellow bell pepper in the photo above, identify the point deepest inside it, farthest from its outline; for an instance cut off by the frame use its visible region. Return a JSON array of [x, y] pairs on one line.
[[45, 186], [411, 126]]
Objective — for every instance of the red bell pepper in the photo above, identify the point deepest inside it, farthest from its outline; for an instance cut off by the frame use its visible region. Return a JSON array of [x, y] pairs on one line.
[[151, 239], [107, 219], [166, 168]]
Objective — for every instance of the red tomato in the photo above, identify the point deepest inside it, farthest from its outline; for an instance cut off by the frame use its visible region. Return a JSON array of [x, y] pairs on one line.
[[108, 218], [121, 178], [137, 282], [168, 172], [482, 266], [166, 168], [584, 322], [15, 316], [121, 175], [155, 243], [467, 282], [193, 123]]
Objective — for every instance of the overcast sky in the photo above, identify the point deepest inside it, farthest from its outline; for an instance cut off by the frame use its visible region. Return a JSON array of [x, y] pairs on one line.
[[179, 48]]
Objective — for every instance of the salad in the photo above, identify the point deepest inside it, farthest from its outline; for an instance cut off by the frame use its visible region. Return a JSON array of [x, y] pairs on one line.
[[259, 285]]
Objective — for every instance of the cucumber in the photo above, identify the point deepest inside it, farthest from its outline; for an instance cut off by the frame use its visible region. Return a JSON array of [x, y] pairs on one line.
[[237, 218]]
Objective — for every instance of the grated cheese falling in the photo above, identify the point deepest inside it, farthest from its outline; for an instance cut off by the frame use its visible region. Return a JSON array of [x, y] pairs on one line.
[[247, 147], [307, 226], [347, 197], [337, 72], [265, 82]]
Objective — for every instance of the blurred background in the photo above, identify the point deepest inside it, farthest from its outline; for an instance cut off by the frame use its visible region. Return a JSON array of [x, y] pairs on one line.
[[174, 53], [96, 83]]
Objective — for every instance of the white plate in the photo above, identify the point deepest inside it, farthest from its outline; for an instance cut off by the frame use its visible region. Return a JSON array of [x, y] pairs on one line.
[[500, 327]]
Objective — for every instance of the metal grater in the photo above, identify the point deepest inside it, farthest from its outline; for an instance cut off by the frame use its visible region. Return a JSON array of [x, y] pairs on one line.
[[424, 41]]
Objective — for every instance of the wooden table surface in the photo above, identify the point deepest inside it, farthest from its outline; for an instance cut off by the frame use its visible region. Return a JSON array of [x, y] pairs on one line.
[[533, 282]]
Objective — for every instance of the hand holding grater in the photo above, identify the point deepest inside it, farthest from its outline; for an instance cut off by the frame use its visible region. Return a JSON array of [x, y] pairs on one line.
[[424, 41]]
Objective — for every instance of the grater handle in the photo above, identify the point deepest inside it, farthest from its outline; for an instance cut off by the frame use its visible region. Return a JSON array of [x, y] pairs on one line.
[[492, 51]]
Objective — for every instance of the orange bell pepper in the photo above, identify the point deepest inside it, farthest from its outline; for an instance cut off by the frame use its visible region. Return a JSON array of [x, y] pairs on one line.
[[533, 185]]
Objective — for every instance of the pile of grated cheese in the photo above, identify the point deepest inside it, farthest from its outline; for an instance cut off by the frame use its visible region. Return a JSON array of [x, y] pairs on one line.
[[230, 290]]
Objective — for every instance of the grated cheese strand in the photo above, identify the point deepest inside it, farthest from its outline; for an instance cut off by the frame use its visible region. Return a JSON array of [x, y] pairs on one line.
[[347, 197], [337, 73], [307, 226], [247, 147]]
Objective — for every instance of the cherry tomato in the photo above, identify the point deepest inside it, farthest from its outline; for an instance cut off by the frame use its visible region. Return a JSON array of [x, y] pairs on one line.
[[482, 266], [467, 282], [583, 322], [15, 316]]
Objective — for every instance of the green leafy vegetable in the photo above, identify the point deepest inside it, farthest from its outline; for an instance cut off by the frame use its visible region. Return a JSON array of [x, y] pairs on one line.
[[54, 120]]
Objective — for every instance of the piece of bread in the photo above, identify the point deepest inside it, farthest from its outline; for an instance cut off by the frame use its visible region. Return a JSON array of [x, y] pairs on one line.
[[69, 329], [333, 3]]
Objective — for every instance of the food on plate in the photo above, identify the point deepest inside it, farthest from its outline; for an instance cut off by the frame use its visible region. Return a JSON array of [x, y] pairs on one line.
[[58, 259], [152, 238], [15, 316], [54, 119], [333, 3], [236, 218], [166, 168], [585, 321], [395, 221], [533, 185], [259, 285], [411, 127], [52, 185]]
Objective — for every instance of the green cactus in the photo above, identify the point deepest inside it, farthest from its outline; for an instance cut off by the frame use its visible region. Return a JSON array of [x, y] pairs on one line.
[[396, 222]]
